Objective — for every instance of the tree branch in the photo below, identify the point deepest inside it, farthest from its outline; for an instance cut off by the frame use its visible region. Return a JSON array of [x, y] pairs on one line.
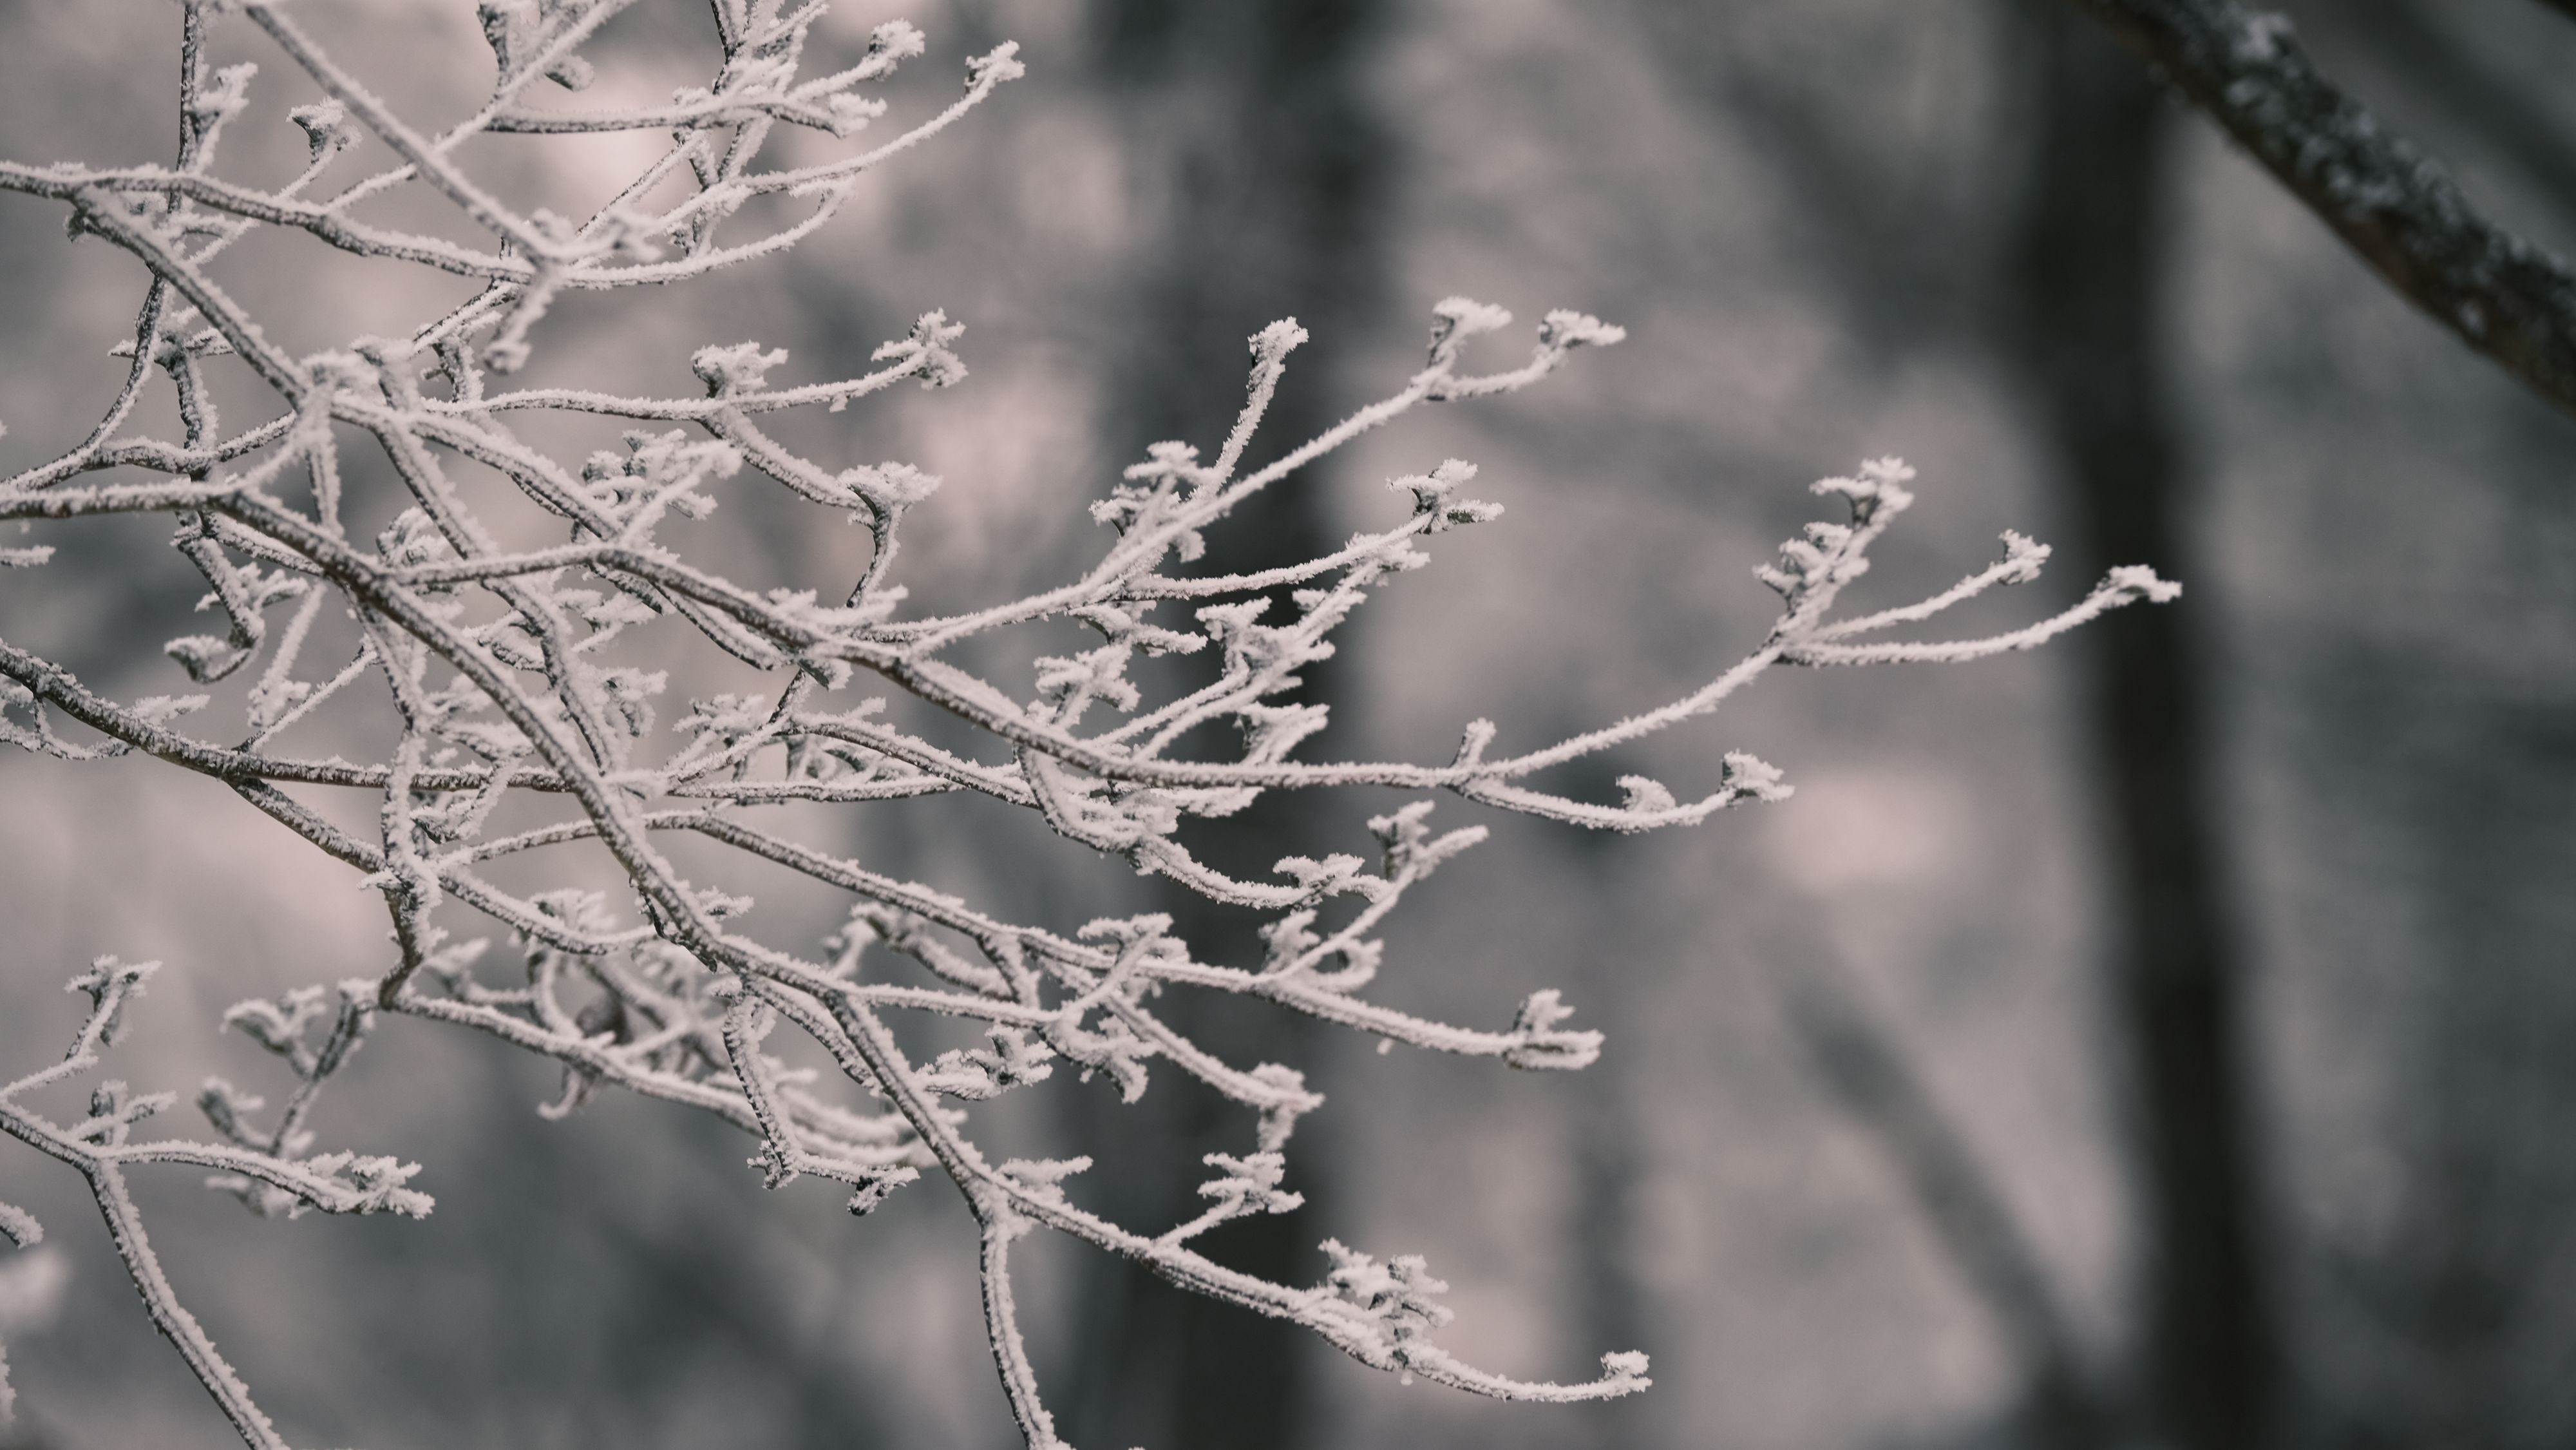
[[2505, 297]]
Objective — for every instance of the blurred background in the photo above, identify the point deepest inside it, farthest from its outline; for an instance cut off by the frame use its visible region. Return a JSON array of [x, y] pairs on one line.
[[2157, 1039]]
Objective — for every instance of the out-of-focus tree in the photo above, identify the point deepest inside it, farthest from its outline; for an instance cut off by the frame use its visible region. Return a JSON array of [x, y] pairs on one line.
[[2092, 282], [1258, 174], [2051, 244]]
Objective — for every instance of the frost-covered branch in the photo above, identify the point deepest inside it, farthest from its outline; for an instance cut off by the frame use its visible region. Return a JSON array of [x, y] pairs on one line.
[[271, 1169], [515, 661]]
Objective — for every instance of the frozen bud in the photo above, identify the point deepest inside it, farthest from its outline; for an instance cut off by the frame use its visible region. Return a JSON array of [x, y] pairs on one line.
[[373, 1184], [1473, 740], [1466, 317], [1628, 1367], [1570, 330], [109, 985], [1751, 777], [924, 351], [1170, 459], [871, 1192], [1400, 1295], [1455, 319], [1320, 879], [1292, 1101], [1410, 847], [1250, 1184], [1271, 731], [743, 367], [1276, 341], [1541, 1045], [1000, 64], [1645, 795], [326, 128], [1820, 560], [2133, 582], [1880, 487], [2023, 557], [851, 114], [1887, 472], [892, 42], [1431, 497]]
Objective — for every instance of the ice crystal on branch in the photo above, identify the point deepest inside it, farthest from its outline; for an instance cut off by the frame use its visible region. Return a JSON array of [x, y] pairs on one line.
[[552, 673]]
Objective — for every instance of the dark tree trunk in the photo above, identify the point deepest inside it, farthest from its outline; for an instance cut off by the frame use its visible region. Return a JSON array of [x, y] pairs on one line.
[[2091, 277], [1613, 1303], [1252, 119]]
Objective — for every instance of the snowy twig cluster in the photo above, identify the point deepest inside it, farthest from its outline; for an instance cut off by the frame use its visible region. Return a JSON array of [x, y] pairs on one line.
[[271, 1170], [509, 626]]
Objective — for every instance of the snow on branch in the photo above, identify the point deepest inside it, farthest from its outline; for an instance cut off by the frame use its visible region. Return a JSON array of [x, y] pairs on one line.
[[533, 683], [271, 1170], [2502, 294]]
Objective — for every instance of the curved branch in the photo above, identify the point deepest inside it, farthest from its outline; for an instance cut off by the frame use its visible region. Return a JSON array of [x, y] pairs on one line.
[[2506, 297]]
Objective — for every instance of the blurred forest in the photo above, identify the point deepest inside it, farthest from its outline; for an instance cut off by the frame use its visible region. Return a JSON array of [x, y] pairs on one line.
[[2160, 1038]]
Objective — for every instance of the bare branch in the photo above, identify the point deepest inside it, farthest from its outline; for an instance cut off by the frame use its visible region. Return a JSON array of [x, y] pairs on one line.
[[494, 666], [2506, 297]]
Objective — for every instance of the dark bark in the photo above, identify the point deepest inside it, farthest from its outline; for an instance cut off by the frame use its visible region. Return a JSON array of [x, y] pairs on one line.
[[2430, 58], [2502, 295], [1613, 1312], [1613, 1307], [1257, 116], [2091, 271]]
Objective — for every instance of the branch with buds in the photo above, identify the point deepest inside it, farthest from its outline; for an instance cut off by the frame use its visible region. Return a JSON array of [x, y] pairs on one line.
[[273, 1170], [524, 648]]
